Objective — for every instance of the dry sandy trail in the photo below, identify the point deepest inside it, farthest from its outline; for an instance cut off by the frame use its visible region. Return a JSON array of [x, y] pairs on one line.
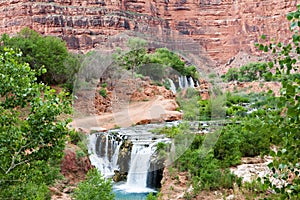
[[129, 114]]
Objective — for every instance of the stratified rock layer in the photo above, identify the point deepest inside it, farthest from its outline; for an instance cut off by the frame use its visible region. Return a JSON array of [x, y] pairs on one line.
[[222, 27]]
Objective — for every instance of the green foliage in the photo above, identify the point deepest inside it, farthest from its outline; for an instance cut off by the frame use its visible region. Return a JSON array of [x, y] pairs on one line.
[[206, 171], [95, 187], [48, 52], [249, 138], [154, 70], [170, 132], [286, 161], [249, 72], [167, 58], [103, 92], [135, 57], [76, 136], [189, 103], [161, 146], [26, 191], [104, 85], [32, 135], [236, 99], [150, 196], [231, 75]]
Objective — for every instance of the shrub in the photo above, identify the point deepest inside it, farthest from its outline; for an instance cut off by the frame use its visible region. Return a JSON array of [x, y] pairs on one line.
[[248, 73], [26, 191], [249, 138], [45, 51], [151, 196], [95, 187], [103, 92], [104, 85]]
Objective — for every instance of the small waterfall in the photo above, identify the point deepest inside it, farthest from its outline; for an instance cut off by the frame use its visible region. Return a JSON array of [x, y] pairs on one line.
[[173, 87], [104, 151], [180, 82], [129, 154], [139, 165], [115, 156], [191, 81], [185, 82]]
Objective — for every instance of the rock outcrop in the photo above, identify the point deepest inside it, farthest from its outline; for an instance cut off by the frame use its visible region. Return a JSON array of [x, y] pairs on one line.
[[222, 28], [74, 168]]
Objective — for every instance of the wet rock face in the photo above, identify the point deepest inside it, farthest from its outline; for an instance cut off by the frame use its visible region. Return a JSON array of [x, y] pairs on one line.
[[155, 171], [222, 27], [119, 176], [124, 157]]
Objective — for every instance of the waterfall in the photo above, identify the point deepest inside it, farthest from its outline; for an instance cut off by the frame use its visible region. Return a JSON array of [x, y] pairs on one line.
[[180, 82], [192, 84], [115, 156], [104, 151], [128, 154], [173, 87], [140, 162], [185, 82]]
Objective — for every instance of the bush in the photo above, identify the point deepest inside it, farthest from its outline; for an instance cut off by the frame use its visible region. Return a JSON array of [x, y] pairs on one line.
[[231, 75], [48, 52], [249, 72], [151, 196], [104, 85], [32, 132], [249, 138], [26, 191], [95, 187], [103, 92]]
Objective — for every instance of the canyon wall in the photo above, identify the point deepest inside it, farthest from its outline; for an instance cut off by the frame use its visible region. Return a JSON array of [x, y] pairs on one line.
[[222, 27]]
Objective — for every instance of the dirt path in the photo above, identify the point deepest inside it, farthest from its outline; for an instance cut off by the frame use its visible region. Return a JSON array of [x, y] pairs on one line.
[[152, 110]]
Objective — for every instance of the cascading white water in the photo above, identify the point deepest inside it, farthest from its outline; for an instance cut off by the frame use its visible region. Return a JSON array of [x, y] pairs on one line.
[[115, 156], [191, 81], [173, 87], [107, 154], [106, 148], [140, 162], [180, 83], [104, 163], [185, 82]]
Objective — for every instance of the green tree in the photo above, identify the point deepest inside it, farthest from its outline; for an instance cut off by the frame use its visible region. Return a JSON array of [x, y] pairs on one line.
[[167, 58], [32, 136], [49, 52], [95, 187], [249, 72], [135, 57], [285, 165]]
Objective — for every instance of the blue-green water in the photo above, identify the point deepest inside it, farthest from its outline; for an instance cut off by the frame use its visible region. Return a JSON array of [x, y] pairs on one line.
[[124, 192], [122, 195]]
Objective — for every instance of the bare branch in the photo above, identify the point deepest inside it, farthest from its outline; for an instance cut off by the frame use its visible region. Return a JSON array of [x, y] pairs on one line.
[[12, 164]]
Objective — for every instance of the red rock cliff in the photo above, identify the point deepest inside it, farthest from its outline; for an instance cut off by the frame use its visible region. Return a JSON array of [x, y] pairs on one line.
[[222, 27]]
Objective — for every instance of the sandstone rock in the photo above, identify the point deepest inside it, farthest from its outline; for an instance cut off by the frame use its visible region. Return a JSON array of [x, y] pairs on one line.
[[69, 190], [171, 116], [222, 28], [73, 168], [98, 129]]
